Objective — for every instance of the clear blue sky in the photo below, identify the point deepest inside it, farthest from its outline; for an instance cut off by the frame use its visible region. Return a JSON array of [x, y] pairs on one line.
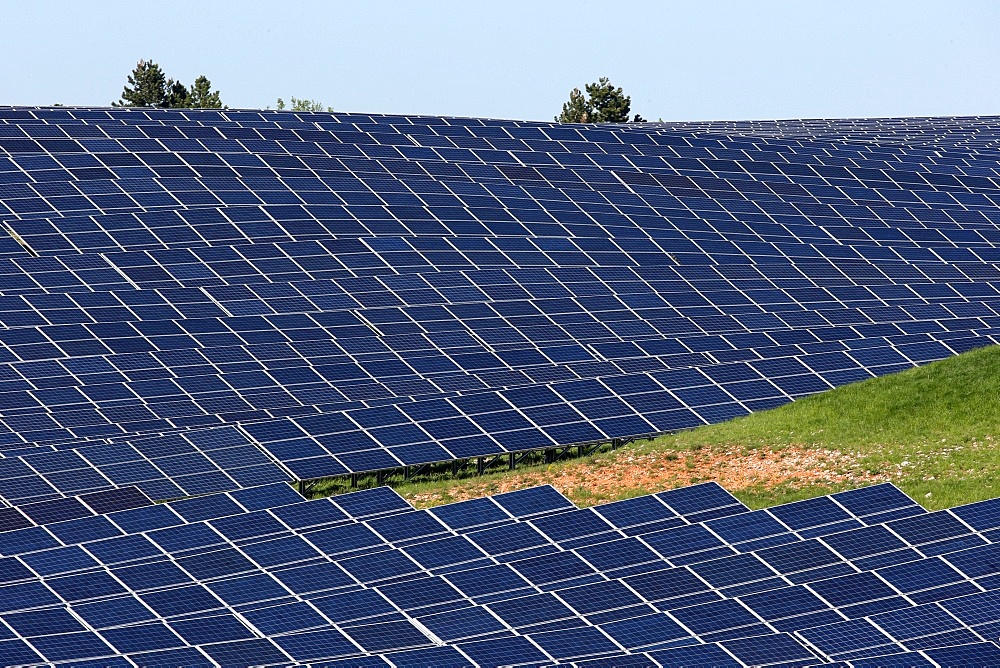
[[694, 60]]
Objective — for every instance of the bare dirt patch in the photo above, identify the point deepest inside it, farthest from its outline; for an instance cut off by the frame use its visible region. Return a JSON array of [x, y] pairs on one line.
[[628, 473]]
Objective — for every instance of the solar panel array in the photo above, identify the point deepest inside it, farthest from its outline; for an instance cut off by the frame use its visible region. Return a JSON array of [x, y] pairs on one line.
[[202, 306], [690, 576], [196, 301]]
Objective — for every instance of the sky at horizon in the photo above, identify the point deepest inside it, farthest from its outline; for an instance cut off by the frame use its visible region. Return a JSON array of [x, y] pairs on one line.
[[708, 60]]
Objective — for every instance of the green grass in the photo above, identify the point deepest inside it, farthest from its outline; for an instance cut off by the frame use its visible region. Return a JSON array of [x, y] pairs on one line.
[[930, 430], [933, 428]]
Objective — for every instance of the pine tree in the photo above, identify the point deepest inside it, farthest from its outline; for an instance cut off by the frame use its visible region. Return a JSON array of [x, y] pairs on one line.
[[577, 110], [147, 87], [177, 94], [603, 104], [610, 105], [202, 96]]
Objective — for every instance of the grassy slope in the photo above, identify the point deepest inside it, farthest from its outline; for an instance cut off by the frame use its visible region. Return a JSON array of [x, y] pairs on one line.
[[929, 430]]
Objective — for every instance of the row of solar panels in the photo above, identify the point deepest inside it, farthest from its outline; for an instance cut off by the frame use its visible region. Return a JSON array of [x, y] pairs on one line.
[[686, 577], [712, 168], [462, 337], [132, 172], [356, 139], [877, 137], [447, 180], [419, 366], [322, 256], [504, 204]]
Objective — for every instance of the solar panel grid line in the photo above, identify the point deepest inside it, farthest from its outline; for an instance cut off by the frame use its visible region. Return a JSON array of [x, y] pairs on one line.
[[395, 158], [915, 637], [513, 365], [162, 491], [460, 157], [651, 335]]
